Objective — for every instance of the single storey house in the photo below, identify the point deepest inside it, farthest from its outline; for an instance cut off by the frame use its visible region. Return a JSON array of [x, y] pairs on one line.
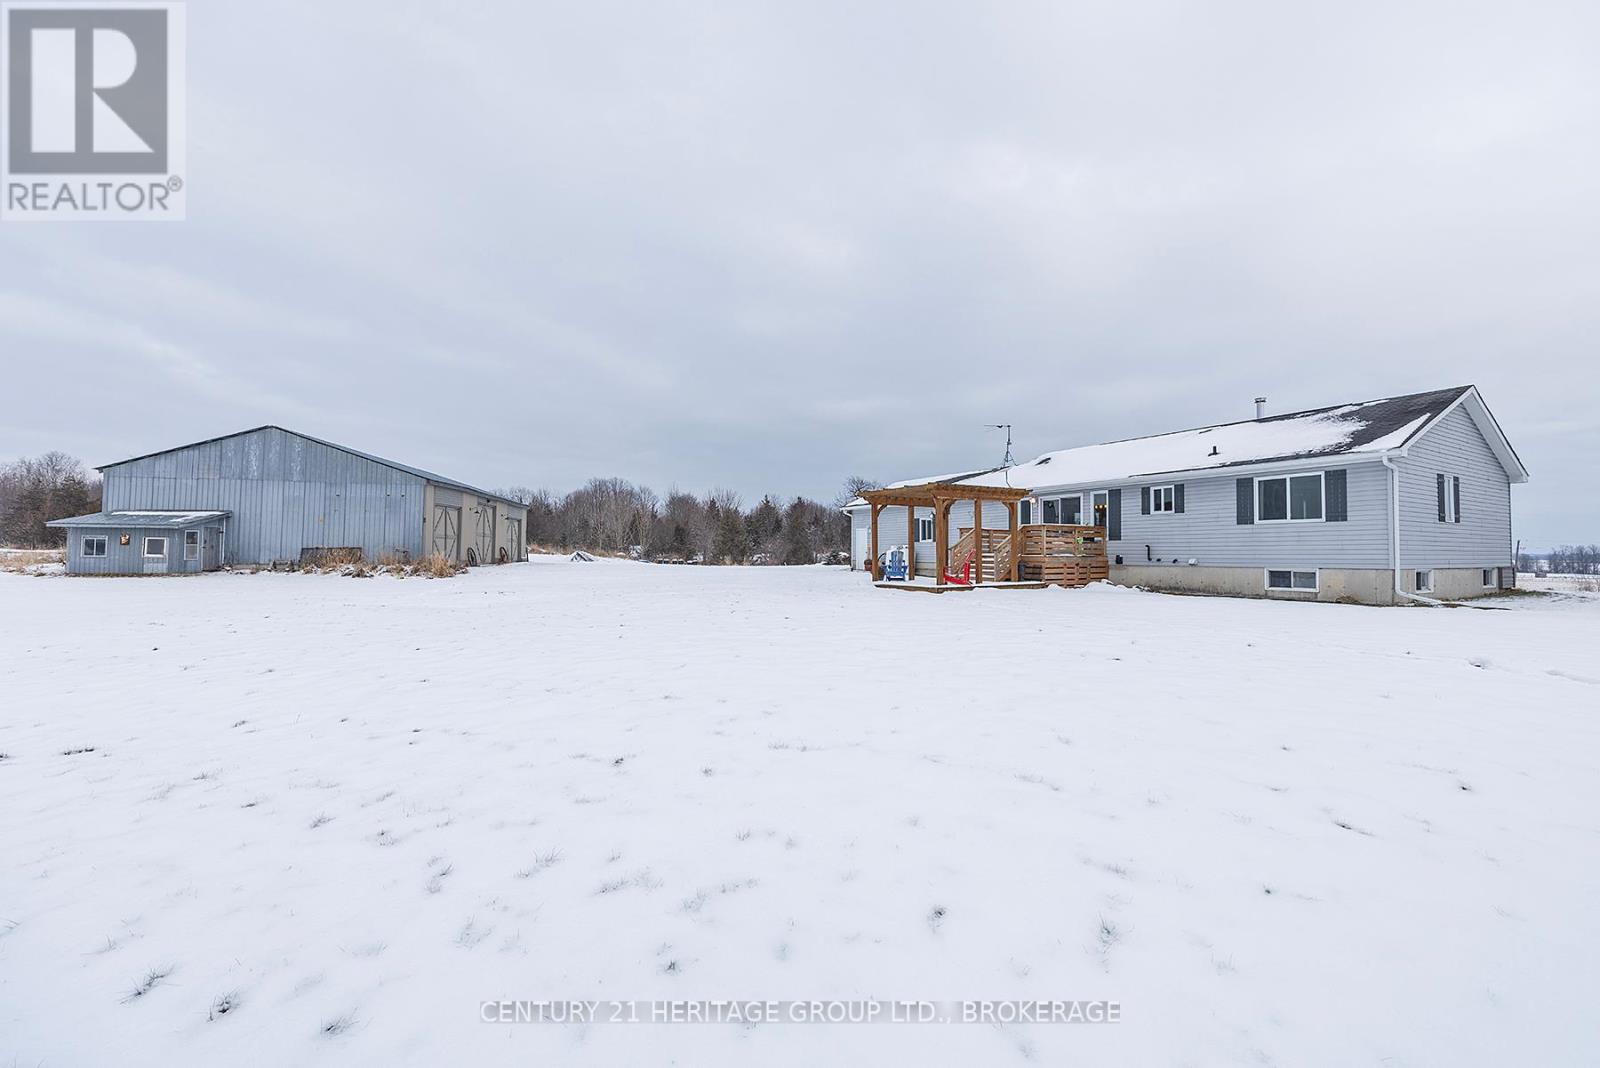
[[1380, 502], [270, 495]]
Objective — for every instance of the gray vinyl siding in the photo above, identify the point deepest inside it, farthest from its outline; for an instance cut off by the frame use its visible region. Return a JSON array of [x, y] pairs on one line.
[[130, 559], [1208, 530], [1455, 448], [285, 492]]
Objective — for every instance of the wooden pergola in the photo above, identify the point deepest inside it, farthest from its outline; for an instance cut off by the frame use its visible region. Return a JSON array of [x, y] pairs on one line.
[[939, 496]]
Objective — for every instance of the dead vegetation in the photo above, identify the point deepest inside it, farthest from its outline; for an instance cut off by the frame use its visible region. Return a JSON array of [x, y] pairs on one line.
[[30, 561], [352, 563]]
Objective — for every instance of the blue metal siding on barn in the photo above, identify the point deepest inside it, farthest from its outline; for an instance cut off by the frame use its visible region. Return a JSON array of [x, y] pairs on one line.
[[1454, 447], [129, 559], [286, 492]]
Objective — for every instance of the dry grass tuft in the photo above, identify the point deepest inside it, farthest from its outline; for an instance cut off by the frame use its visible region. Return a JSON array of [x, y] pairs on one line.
[[23, 561], [352, 563]]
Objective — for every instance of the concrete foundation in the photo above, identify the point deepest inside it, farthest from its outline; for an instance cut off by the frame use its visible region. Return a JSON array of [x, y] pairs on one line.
[[1346, 585]]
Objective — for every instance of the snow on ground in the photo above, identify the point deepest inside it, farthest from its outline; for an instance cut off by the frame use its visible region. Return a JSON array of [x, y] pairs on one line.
[[349, 811]]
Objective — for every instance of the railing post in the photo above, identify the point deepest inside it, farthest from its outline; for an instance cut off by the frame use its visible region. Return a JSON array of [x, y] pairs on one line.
[[911, 543], [872, 560], [977, 539], [1011, 541]]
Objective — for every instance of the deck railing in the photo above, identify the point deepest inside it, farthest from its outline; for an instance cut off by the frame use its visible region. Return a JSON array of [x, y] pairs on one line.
[[1062, 553]]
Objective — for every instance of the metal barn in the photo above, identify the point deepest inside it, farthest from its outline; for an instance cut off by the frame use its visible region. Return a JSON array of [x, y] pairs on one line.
[[270, 496]]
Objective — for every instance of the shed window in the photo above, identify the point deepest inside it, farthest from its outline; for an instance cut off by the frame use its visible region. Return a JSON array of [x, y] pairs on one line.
[[94, 546], [1289, 499], [1292, 580], [191, 545], [155, 547]]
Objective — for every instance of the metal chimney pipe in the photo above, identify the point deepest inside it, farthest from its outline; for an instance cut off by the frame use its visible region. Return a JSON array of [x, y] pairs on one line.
[[1261, 407]]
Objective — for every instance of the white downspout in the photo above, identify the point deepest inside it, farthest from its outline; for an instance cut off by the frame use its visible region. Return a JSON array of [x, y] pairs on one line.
[[1394, 519]]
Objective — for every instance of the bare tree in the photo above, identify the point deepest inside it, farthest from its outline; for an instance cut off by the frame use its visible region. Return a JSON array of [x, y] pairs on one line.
[[33, 491], [853, 486]]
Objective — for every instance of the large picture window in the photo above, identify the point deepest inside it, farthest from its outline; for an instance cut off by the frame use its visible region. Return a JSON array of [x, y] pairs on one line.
[[1289, 499]]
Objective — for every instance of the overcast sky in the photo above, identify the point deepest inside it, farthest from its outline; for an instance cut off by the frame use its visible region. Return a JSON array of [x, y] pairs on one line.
[[770, 246]]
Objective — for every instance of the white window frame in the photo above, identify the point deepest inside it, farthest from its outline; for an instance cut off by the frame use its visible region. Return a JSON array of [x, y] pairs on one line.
[[921, 520], [148, 555], [1492, 578], [1171, 491], [105, 545], [1099, 493], [1416, 579], [187, 555], [1288, 501], [1314, 572], [1449, 498]]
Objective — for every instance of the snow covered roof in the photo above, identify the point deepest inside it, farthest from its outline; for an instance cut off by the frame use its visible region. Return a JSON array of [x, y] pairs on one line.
[[142, 520], [1367, 427]]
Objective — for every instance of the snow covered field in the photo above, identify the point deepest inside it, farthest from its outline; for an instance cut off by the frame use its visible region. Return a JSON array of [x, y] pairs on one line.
[[347, 812]]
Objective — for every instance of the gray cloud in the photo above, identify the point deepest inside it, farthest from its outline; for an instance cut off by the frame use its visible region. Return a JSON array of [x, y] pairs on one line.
[[766, 246]]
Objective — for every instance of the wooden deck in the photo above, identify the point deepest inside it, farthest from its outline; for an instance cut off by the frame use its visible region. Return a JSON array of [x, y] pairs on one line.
[[929, 587], [1020, 556], [1043, 554]]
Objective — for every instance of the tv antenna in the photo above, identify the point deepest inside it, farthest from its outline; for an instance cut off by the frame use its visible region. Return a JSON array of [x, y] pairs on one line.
[[1009, 462]]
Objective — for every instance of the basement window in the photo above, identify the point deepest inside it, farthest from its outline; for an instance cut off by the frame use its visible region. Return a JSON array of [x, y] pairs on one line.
[[94, 546], [1491, 577], [1292, 580], [1424, 581], [155, 548]]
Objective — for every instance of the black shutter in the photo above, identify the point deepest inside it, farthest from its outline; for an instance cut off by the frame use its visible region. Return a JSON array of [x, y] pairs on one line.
[[1177, 497], [1245, 494], [1441, 497], [1334, 484], [1114, 515], [1144, 500], [1456, 490]]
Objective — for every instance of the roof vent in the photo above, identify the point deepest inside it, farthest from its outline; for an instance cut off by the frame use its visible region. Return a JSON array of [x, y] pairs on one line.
[[1261, 407]]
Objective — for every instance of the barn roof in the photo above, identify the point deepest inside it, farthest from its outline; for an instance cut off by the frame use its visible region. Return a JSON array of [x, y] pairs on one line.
[[142, 520], [1365, 427], [395, 464]]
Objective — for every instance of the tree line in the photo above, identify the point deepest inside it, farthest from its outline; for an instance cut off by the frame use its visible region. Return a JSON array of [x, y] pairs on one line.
[[35, 490], [1568, 560], [606, 515], [612, 515]]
